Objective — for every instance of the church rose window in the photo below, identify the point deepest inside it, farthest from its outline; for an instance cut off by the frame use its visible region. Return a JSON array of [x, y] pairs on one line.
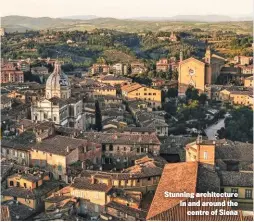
[[191, 72]]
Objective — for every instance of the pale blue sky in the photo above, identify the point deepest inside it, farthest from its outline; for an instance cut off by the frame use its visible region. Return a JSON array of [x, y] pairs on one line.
[[125, 8]]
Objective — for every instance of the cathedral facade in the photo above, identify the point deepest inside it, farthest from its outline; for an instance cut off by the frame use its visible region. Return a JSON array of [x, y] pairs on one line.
[[199, 73], [57, 105]]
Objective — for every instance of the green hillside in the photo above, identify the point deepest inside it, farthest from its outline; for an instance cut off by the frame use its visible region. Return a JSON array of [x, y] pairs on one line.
[[20, 23]]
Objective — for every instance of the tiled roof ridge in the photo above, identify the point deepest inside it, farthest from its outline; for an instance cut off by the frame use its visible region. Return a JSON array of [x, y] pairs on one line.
[[164, 172]]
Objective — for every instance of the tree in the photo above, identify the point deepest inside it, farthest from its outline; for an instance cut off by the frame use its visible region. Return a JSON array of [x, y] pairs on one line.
[[175, 75], [238, 127], [191, 93], [172, 92], [170, 107], [202, 98], [67, 67], [98, 118]]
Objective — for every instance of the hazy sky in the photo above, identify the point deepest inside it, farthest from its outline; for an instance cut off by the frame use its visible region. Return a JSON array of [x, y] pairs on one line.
[[124, 8]]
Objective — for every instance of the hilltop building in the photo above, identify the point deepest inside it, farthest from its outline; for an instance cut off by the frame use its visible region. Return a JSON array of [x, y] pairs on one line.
[[11, 74]]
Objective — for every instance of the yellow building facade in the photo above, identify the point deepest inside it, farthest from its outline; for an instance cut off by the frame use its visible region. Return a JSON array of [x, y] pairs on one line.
[[202, 152], [105, 90], [241, 98], [248, 82], [138, 92], [199, 74]]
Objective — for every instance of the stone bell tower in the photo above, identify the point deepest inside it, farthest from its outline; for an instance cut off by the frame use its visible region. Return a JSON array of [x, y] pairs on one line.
[[208, 55]]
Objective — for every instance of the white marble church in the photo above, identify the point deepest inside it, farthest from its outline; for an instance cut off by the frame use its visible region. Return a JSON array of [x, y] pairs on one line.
[[58, 105]]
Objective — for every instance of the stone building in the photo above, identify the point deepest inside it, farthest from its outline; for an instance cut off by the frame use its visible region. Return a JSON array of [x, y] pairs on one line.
[[11, 74], [199, 73], [57, 104], [122, 149]]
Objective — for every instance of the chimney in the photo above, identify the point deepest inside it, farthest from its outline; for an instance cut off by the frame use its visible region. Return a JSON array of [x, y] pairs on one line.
[[67, 149], [199, 139]]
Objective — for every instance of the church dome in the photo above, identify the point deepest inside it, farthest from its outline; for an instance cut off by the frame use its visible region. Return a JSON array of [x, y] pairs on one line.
[[56, 83]]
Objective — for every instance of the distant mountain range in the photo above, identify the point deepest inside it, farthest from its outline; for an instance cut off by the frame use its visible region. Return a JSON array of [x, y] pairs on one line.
[[197, 18], [181, 18], [89, 22], [81, 17]]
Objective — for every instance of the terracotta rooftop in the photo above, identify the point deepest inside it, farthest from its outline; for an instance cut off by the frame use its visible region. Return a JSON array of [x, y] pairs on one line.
[[176, 178], [236, 179], [58, 145], [28, 176], [229, 150], [189, 177], [139, 129], [138, 214], [14, 211], [131, 87], [86, 184], [114, 78], [46, 187], [120, 138]]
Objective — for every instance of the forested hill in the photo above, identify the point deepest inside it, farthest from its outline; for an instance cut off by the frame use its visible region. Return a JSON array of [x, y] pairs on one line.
[[23, 23]]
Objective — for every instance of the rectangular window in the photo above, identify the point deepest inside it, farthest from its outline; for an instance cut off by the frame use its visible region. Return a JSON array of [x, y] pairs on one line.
[[234, 190], [205, 155], [248, 194], [11, 183], [25, 185], [18, 184]]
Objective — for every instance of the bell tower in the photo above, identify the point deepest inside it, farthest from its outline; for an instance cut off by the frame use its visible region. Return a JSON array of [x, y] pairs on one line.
[[208, 55], [181, 55]]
